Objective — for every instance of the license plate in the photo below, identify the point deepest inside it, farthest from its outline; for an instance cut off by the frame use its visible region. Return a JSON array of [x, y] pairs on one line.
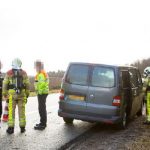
[[75, 97]]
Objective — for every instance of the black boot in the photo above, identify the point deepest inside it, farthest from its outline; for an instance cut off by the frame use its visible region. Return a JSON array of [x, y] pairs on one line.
[[39, 127], [22, 129], [39, 124], [10, 130]]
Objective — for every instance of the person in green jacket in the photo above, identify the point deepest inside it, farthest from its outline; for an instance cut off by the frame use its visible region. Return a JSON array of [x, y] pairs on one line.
[[42, 90]]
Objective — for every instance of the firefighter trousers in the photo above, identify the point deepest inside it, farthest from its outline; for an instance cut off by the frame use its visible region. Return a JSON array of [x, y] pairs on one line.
[[13, 102]]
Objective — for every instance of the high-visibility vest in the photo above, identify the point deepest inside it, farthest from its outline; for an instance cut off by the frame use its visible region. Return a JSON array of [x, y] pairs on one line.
[[42, 83]]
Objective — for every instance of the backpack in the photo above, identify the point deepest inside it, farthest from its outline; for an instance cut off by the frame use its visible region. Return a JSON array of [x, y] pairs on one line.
[[17, 80]]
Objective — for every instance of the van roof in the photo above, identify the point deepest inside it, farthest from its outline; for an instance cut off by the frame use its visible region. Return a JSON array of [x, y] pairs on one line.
[[107, 65]]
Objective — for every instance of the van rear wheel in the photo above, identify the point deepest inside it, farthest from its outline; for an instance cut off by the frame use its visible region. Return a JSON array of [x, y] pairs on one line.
[[123, 123], [68, 120]]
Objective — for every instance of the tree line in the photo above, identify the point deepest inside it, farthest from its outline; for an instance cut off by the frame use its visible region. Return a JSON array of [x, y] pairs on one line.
[[141, 64]]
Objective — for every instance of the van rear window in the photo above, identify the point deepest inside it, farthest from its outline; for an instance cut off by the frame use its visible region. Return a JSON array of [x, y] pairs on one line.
[[77, 74], [103, 77]]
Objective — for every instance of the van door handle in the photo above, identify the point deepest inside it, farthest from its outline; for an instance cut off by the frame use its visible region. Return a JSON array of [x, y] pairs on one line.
[[91, 96]]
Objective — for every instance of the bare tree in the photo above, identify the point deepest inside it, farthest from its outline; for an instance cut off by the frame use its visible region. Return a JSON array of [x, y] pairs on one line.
[[141, 64]]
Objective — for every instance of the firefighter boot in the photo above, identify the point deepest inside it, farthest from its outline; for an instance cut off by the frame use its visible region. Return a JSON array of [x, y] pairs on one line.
[[10, 130], [22, 129]]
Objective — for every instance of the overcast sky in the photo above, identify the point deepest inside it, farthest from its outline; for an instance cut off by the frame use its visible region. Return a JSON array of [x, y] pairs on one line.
[[62, 31]]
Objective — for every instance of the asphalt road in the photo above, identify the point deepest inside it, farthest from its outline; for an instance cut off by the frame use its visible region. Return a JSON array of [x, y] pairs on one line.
[[54, 136]]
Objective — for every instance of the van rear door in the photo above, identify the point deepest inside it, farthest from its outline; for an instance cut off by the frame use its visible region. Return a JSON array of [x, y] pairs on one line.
[[76, 88], [102, 89], [126, 91], [136, 91]]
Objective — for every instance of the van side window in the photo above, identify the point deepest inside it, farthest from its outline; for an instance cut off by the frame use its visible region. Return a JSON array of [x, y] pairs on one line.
[[103, 77], [78, 74], [133, 78]]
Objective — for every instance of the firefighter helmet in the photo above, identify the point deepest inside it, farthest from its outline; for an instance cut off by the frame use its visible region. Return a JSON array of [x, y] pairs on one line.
[[16, 63], [147, 71]]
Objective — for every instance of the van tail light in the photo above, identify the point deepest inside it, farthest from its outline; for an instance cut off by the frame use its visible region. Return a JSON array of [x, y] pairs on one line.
[[116, 101], [61, 96]]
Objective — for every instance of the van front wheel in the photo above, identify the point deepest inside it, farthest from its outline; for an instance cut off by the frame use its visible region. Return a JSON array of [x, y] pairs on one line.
[[68, 120]]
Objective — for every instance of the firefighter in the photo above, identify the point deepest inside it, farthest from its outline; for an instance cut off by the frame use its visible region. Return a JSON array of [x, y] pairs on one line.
[[146, 88], [1, 81], [42, 90], [16, 89]]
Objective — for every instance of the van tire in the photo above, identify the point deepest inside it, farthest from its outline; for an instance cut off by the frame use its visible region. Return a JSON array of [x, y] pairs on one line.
[[129, 108], [68, 120], [123, 123], [140, 112]]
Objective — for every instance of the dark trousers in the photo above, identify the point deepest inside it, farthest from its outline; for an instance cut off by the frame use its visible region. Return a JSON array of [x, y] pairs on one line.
[[42, 108], [1, 107]]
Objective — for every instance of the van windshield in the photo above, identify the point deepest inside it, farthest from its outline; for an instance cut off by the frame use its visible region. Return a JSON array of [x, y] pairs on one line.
[[103, 77], [77, 74]]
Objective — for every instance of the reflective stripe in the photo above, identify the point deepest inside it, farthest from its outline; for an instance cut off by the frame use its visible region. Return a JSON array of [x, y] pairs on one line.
[[10, 116], [148, 106], [22, 119]]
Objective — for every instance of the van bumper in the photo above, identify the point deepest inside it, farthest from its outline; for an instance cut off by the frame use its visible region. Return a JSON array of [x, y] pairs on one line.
[[102, 119]]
